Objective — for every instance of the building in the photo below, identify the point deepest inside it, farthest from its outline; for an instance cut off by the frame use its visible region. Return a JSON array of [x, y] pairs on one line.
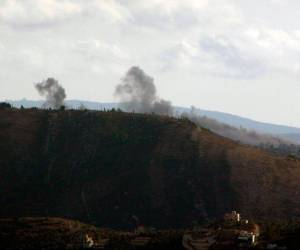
[[246, 239], [232, 217], [90, 243]]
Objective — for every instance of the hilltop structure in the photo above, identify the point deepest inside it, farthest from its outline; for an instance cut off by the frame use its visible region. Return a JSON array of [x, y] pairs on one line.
[[232, 217], [232, 232]]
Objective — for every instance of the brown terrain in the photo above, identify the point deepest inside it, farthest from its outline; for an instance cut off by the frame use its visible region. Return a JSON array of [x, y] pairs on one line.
[[118, 170], [43, 233]]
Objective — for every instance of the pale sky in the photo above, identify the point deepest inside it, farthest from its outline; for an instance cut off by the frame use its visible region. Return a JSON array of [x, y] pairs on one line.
[[235, 56]]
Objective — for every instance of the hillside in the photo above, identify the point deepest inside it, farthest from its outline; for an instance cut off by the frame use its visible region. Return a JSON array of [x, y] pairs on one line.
[[118, 169], [42, 233], [236, 128], [292, 133], [50, 233]]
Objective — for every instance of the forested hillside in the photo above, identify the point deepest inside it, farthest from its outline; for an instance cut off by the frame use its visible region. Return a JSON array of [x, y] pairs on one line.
[[120, 169]]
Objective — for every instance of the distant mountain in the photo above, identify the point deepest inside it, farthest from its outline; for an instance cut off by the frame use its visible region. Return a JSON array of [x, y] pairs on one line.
[[242, 135], [289, 133], [238, 121]]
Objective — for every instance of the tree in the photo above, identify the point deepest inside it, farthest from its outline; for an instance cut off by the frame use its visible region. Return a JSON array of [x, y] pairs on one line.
[[4, 105]]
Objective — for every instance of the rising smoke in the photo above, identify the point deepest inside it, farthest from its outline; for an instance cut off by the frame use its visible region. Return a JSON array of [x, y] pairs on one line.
[[55, 94], [137, 93], [242, 135]]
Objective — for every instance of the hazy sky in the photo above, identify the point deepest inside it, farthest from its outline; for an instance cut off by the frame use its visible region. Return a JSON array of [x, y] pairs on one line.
[[236, 56]]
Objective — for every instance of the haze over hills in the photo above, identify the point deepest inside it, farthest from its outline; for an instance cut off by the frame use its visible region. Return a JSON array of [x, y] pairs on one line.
[[117, 169], [288, 133]]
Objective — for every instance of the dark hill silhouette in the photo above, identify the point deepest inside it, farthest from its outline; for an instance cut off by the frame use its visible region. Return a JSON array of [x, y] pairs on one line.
[[119, 169], [231, 126], [226, 118]]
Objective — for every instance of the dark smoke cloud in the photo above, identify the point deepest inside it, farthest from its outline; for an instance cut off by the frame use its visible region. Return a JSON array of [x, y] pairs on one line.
[[137, 93], [55, 94]]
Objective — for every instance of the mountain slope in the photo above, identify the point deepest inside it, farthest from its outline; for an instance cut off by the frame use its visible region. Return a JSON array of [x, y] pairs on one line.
[[239, 121], [120, 169]]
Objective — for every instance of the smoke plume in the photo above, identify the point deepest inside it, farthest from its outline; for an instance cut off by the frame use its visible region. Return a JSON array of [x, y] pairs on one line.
[[55, 94], [242, 135], [137, 93]]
